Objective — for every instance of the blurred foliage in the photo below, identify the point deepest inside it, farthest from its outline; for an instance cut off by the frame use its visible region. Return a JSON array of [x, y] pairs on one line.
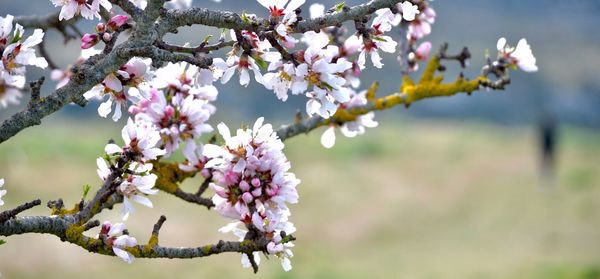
[[420, 200]]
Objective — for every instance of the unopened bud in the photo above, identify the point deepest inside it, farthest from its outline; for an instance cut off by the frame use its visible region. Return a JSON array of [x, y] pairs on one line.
[[116, 22]]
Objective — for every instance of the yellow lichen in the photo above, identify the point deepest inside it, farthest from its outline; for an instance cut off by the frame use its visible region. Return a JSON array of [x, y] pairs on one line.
[[428, 86], [169, 175], [62, 211]]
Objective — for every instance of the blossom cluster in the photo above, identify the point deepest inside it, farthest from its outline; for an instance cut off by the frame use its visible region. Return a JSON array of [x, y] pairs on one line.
[[168, 107], [17, 53], [253, 185], [113, 237]]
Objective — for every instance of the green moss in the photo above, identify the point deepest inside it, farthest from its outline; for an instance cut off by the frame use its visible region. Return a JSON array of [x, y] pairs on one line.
[[206, 249]]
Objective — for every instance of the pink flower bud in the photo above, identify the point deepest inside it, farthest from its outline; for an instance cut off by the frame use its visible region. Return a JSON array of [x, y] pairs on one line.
[[105, 228], [423, 51], [255, 182], [100, 28], [106, 37], [244, 186], [247, 197], [169, 111], [89, 40], [116, 22], [257, 192], [272, 191], [231, 178], [205, 173]]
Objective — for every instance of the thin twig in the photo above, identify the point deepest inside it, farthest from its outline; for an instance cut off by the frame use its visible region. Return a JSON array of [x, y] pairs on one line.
[[8, 214]]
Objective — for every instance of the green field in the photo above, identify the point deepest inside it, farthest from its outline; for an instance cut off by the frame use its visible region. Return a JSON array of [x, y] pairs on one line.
[[407, 200]]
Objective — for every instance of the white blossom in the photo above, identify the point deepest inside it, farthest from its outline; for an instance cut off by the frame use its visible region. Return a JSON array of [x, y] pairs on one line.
[[279, 8], [10, 94], [351, 128], [112, 236], [421, 27], [121, 87], [316, 10], [242, 65], [135, 187], [71, 8], [409, 11], [141, 141], [521, 55], [2, 192]]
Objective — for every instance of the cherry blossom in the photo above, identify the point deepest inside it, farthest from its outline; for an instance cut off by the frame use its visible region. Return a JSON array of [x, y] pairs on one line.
[[274, 226], [421, 26], [103, 169], [284, 80], [385, 19], [319, 71], [521, 55], [135, 186], [279, 8], [372, 46], [242, 65], [409, 11], [71, 8], [121, 87], [10, 94], [141, 141], [316, 10], [419, 54], [112, 236], [351, 128], [250, 169], [179, 120], [17, 55], [195, 160]]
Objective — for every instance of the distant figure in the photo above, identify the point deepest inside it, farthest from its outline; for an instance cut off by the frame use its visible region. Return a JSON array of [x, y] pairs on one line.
[[548, 142]]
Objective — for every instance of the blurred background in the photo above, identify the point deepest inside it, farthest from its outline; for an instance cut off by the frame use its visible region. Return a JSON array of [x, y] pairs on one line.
[[450, 188]]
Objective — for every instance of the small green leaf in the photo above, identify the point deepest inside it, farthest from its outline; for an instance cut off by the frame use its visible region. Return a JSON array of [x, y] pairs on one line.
[[340, 6], [2, 241], [245, 17], [206, 39], [261, 63], [86, 190], [380, 39], [17, 37], [327, 86]]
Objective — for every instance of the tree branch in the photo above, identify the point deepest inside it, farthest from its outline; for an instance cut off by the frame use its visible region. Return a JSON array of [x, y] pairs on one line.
[[429, 86], [67, 230], [230, 20], [6, 215]]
